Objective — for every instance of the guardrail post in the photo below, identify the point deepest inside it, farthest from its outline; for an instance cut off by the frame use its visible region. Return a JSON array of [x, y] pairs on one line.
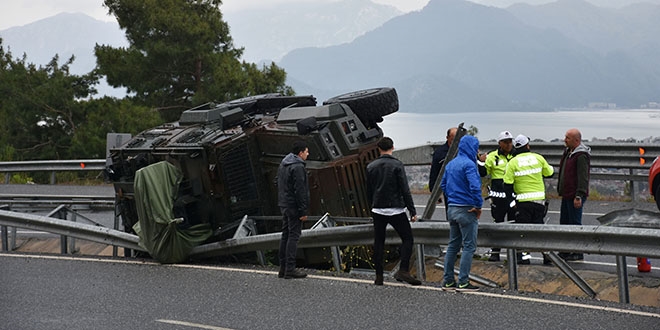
[[512, 261], [7, 177], [632, 185], [5, 244], [52, 177], [72, 240], [421, 265], [622, 272]]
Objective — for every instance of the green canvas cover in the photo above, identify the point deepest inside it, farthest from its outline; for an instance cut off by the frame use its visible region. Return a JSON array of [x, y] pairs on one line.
[[156, 187]]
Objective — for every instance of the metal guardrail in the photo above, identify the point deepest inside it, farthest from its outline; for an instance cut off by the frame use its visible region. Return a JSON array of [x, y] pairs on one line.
[[603, 156], [617, 241], [30, 201], [52, 166], [87, 232], [631, 161]]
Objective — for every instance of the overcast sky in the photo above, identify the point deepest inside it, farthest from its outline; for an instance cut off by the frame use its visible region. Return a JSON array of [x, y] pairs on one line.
[[21, 12]]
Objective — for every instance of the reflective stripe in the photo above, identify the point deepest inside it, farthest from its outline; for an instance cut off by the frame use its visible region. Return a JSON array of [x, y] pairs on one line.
[[531, 195], [528, 172], [497, 194]]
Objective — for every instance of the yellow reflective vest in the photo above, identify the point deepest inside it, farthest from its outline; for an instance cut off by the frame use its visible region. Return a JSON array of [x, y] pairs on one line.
[[526, 172]]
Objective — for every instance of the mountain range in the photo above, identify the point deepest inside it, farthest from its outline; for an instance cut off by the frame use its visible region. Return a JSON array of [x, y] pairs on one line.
[[458, 56], [451, 56]]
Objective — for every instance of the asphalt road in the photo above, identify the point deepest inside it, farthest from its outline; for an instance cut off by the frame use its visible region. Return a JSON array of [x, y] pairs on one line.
[[61, 292], [52, 292]]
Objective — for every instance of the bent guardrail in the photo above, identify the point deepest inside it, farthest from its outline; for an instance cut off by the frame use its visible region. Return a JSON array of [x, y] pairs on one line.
[[617, 241], [91, 233]]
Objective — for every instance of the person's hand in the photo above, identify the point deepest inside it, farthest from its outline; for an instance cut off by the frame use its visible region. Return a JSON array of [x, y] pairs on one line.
[[303, 218], [478, 211], [482, 157], [577, 203], [413, 218]]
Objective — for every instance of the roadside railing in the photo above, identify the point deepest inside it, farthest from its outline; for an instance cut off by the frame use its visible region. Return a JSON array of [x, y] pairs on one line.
[[632, 158], [605, 240], [627, 162], [52, 166]]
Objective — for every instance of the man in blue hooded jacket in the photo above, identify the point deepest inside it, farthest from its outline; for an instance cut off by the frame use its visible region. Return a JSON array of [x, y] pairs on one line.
[[461, 184]]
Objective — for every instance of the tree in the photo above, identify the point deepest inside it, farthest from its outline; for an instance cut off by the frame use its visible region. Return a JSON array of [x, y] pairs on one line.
[[40, 108], [109, 115], [180, 55]]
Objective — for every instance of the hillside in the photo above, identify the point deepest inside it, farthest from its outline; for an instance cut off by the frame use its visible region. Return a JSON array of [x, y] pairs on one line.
[[459, 56]]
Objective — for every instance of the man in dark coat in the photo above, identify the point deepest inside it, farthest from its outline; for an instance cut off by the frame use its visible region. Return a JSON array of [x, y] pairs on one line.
[[293, 200], [573, 182]]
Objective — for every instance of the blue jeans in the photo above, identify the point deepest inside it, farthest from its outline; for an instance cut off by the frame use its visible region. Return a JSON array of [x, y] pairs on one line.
[[568, 214], [463, 229]]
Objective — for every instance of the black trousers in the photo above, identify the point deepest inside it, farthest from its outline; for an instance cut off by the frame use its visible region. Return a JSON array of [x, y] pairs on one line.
[[291, 229], [402, 227], [500, 209], [530, 212]]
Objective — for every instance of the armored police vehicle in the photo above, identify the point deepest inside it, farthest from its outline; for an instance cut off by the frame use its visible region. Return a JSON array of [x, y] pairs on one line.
[[228, 155]]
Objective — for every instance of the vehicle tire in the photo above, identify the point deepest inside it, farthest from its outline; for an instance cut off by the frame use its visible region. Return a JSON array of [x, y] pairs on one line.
[[269, 103], [370, 105]]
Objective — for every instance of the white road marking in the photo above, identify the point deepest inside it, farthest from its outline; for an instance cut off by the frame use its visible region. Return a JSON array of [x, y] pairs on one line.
[[344, 279], [193, 325]]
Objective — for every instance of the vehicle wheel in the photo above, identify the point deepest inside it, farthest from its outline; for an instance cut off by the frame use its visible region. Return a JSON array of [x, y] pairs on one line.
[[370, 105], [269, 103]]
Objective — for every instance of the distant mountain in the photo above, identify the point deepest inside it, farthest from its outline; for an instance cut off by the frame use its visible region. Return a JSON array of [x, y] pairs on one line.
[[632, 30], [270, 32], [64, 34], [485, 56]]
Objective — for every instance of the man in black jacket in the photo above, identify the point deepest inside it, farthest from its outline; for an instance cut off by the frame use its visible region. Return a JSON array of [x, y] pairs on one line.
[[293, 200], [389, 196]]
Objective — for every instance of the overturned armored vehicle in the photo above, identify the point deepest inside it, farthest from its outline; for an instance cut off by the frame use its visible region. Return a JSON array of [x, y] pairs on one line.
[[227, 155]]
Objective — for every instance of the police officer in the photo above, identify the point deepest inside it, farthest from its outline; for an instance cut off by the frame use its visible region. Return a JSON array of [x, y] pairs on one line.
[[495, 165], [524, 180]]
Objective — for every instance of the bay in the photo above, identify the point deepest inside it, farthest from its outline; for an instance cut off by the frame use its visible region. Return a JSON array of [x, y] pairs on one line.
[[413, 129]]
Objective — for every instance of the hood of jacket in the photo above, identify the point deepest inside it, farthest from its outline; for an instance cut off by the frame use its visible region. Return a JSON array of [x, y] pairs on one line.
[[581, 148], [292, 159], [469, 147]]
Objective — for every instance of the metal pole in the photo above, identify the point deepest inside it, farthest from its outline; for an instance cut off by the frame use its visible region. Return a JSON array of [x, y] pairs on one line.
[[622, 272], [421, 266], [513, 270], [632, 185], [72, 240], [5, 245]]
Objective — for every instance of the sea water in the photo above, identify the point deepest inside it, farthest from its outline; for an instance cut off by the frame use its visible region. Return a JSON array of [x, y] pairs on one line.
[[413, 129]]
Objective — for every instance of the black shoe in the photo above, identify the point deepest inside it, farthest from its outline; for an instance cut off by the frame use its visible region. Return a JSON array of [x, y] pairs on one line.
[[280, 274], [494, 257], [547, 261], [295, 274], [467, 287], [379, 280], [449, 286], [402, 276], [523, 262]]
